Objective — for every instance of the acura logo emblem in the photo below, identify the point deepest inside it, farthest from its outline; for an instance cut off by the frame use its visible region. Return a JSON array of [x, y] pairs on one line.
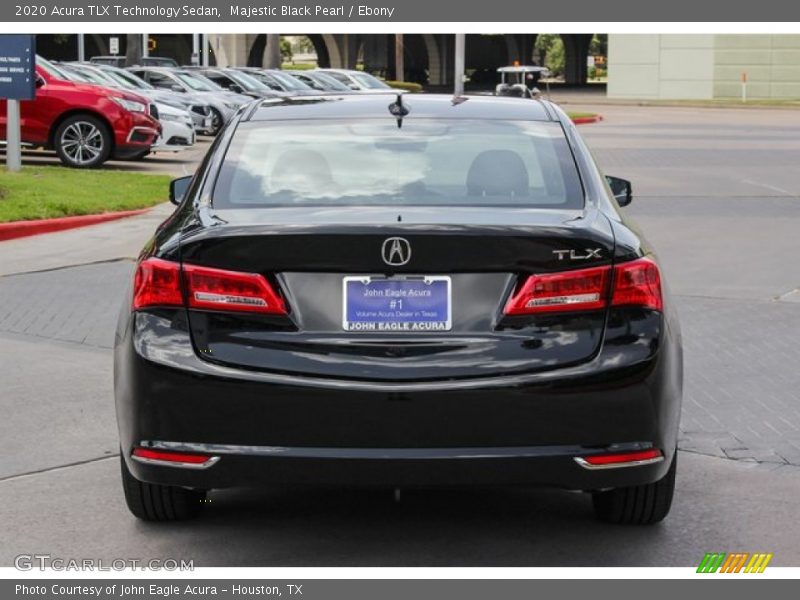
[[396, 251]]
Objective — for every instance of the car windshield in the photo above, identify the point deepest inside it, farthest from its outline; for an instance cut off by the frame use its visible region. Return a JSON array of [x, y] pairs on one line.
[[52, 70], [128, 79], [289, 82], [368, 81], [92, 75], [197, 82], [329, 82], [375, 162], [245, 80]]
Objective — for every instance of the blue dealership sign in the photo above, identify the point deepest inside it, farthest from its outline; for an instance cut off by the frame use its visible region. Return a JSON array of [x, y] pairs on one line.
[[17, 67]]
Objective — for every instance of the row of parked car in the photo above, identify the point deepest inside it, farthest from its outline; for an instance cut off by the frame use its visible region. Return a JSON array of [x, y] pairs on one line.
[[89, 112]]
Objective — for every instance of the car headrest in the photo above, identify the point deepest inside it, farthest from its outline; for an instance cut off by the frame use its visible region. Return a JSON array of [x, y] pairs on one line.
[[497, 173]]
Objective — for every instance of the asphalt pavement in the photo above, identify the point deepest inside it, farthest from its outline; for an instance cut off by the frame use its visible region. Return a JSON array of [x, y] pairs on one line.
[[716, 192]]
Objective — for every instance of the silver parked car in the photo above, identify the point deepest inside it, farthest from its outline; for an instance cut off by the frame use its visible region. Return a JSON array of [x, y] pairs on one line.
[[318, 80], [197, 107], [357, 80], [223, 103], [279, 81]]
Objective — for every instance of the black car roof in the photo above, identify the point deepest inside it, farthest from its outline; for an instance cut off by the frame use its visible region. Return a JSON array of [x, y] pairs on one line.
[[425, 106]]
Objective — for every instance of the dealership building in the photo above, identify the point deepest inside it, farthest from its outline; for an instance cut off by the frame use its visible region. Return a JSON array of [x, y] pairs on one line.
[[703, 67], [650, 66]]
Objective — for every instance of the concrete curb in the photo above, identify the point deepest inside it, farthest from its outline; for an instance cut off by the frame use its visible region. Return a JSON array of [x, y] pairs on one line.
[[18, 229], [586, 120]]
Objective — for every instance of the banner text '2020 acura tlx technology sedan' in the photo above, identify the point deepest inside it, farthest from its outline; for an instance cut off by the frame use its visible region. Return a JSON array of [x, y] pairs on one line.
[[399, 291]]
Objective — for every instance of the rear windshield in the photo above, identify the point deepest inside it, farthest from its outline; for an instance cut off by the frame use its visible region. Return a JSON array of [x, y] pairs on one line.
[[375, 162]]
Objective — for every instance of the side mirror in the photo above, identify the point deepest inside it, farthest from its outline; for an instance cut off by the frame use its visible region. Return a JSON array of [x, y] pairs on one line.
[[235, 87], [621, 188], [178, 188], [176, 88], [39, 81], [353, 86]]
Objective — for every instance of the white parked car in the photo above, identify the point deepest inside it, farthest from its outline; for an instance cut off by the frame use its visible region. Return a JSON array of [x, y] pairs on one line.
[[177, 131]]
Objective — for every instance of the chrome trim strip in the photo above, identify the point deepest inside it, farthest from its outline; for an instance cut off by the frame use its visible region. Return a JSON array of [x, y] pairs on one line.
[[168, 463], [621, 465]]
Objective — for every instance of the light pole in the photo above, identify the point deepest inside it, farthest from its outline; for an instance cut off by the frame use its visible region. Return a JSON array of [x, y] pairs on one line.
[[195, 49], [459, 70], [399, 67]]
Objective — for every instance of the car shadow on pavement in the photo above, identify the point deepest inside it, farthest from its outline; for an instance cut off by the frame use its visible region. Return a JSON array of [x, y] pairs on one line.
[[318, 526]]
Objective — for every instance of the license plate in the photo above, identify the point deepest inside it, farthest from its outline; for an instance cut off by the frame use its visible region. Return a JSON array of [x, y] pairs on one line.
[[415, 304]]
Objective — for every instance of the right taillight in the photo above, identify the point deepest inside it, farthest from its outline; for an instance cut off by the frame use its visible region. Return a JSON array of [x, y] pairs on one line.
[[634, 283], [161, 282], [569, 291], [638, 283]]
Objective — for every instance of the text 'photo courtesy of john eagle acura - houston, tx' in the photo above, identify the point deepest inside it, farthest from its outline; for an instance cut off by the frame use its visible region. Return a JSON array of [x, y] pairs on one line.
[[399, 291]]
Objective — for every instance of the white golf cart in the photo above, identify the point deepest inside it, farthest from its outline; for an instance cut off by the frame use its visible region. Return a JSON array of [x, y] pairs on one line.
[[520, 81]]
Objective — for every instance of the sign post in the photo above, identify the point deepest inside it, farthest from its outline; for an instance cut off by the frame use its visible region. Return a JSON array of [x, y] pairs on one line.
[[113, 45], [744, 86], [17, 82]]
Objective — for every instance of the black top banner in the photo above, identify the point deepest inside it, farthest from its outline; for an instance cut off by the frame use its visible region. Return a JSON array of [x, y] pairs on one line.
[[441, 11]]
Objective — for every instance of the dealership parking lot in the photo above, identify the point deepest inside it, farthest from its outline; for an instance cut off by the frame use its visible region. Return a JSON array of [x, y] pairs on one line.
[[716, 191]]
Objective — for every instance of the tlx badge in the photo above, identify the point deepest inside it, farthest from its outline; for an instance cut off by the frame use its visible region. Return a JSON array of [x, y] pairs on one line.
[[577, 255]]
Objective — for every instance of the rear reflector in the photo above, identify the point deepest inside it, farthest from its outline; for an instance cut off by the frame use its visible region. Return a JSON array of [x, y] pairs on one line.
[[584, 289], [158, 283], [621, 459], [177, 459]]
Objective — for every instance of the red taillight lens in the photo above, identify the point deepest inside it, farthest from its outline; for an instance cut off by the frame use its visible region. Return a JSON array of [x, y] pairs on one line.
[[216, 289], [157, 283], [585, 289], [624, 457], [638, 283], [169, 456]]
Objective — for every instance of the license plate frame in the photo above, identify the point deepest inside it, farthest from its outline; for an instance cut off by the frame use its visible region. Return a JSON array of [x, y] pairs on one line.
[[393, 319]]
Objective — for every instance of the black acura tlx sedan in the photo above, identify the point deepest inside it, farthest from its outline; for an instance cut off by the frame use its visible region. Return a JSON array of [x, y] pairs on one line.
[[398, 291]]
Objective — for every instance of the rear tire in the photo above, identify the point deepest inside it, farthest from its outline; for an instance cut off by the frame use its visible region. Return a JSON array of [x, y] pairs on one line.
[[82, 142], [638, 504], [153, 502]]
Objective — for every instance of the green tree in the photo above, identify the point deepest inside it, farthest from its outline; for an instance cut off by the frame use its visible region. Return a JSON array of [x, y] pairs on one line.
[[599, 45], [286, 50], [302, 44], [550, 50]]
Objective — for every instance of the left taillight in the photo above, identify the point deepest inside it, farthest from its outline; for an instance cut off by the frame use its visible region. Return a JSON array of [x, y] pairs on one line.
[[157, 282], [160, 282], [218, 289]]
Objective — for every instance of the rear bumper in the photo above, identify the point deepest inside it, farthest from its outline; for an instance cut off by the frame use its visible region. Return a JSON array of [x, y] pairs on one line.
[[287, 429], [237, 466]]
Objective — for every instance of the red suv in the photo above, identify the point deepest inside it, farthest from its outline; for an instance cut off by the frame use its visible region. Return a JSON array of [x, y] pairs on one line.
[[85, 124]]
